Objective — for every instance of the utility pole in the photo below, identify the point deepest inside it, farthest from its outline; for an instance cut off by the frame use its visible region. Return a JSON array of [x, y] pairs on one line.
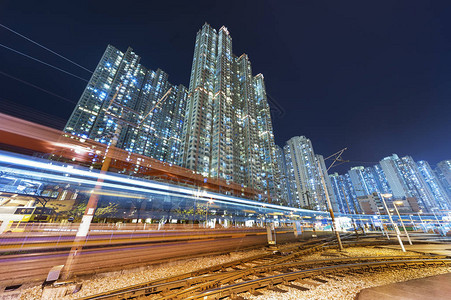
[[337, 157], [91, 207], [85, 224]]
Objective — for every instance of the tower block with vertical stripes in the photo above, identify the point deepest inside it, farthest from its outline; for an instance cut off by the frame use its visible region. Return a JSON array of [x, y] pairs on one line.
[[227, 131]]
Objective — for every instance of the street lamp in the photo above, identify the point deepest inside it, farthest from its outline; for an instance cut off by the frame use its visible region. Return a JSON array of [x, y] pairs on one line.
[[395, 204], [421, 220], [414, 226], [439, 224], [391, 220], [382, 223]]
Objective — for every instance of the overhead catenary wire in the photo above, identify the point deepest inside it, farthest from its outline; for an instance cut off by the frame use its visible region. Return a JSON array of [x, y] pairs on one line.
[[42, 46], [37, 87], [42, 62], [363, 162], [40, 116]]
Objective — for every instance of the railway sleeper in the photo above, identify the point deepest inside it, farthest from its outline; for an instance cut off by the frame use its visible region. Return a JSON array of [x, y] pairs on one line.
[[254, 292], [297, 287], [319, 279], [235, 296], [275, 288]]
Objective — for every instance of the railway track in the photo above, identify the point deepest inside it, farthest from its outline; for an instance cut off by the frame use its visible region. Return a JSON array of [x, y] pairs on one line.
[[262, 271], [331, 272]]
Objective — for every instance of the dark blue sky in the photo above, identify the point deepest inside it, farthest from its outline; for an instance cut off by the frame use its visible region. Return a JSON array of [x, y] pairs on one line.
[[371, 76]]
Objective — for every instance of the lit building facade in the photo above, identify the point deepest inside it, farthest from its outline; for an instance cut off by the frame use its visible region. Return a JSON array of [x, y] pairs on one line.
[[284, 185], [443, 171], [394, 177], [344, 193], [117, 99], [414, 183], [304, 175], [369, 180], [227, 131], [357, 177], [438, 190]]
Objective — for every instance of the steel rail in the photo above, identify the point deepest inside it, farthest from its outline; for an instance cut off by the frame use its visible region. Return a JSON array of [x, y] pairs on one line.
[[271, 281], [206, 275], [218, 280], [263, 258]]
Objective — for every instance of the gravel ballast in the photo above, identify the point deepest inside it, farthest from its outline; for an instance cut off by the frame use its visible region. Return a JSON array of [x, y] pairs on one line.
[[343, 288]]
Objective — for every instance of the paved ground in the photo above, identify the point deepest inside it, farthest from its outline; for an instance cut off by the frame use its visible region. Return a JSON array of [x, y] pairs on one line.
[[433, 288], [429, 288]]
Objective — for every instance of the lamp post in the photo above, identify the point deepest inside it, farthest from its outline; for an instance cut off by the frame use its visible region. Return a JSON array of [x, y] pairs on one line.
[[421, 220], [439, 224], [395, 204], [391, 220], [413, 223], [382, 223]]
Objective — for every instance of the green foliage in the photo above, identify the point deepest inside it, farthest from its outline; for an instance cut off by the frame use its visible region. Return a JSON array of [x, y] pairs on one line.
[[79, 210]]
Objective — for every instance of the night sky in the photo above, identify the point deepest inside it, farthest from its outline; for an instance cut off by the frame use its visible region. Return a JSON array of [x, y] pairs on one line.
[[371, 76]]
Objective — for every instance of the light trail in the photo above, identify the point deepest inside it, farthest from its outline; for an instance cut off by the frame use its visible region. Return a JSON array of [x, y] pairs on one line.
[[119, 183], [157, 188]]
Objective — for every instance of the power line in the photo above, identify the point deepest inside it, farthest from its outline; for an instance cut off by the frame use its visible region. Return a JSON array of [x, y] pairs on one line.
[[363, 162], [25, 112], [42, 62], [37, 87], [42, 46]]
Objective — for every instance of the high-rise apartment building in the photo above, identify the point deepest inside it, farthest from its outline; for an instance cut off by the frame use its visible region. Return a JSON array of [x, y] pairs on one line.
[[358, 181], [284, 184], [416, 183], [408, 179], [443, 172], [381, 180], [267, 148], [369, 180], [117, 99], [394, 177], [344, 194], [325, 177], [304, 175], [227, 131], [439, 194]]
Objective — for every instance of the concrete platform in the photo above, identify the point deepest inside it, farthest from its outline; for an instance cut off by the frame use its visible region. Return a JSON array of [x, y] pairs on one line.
[[428, 288]]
